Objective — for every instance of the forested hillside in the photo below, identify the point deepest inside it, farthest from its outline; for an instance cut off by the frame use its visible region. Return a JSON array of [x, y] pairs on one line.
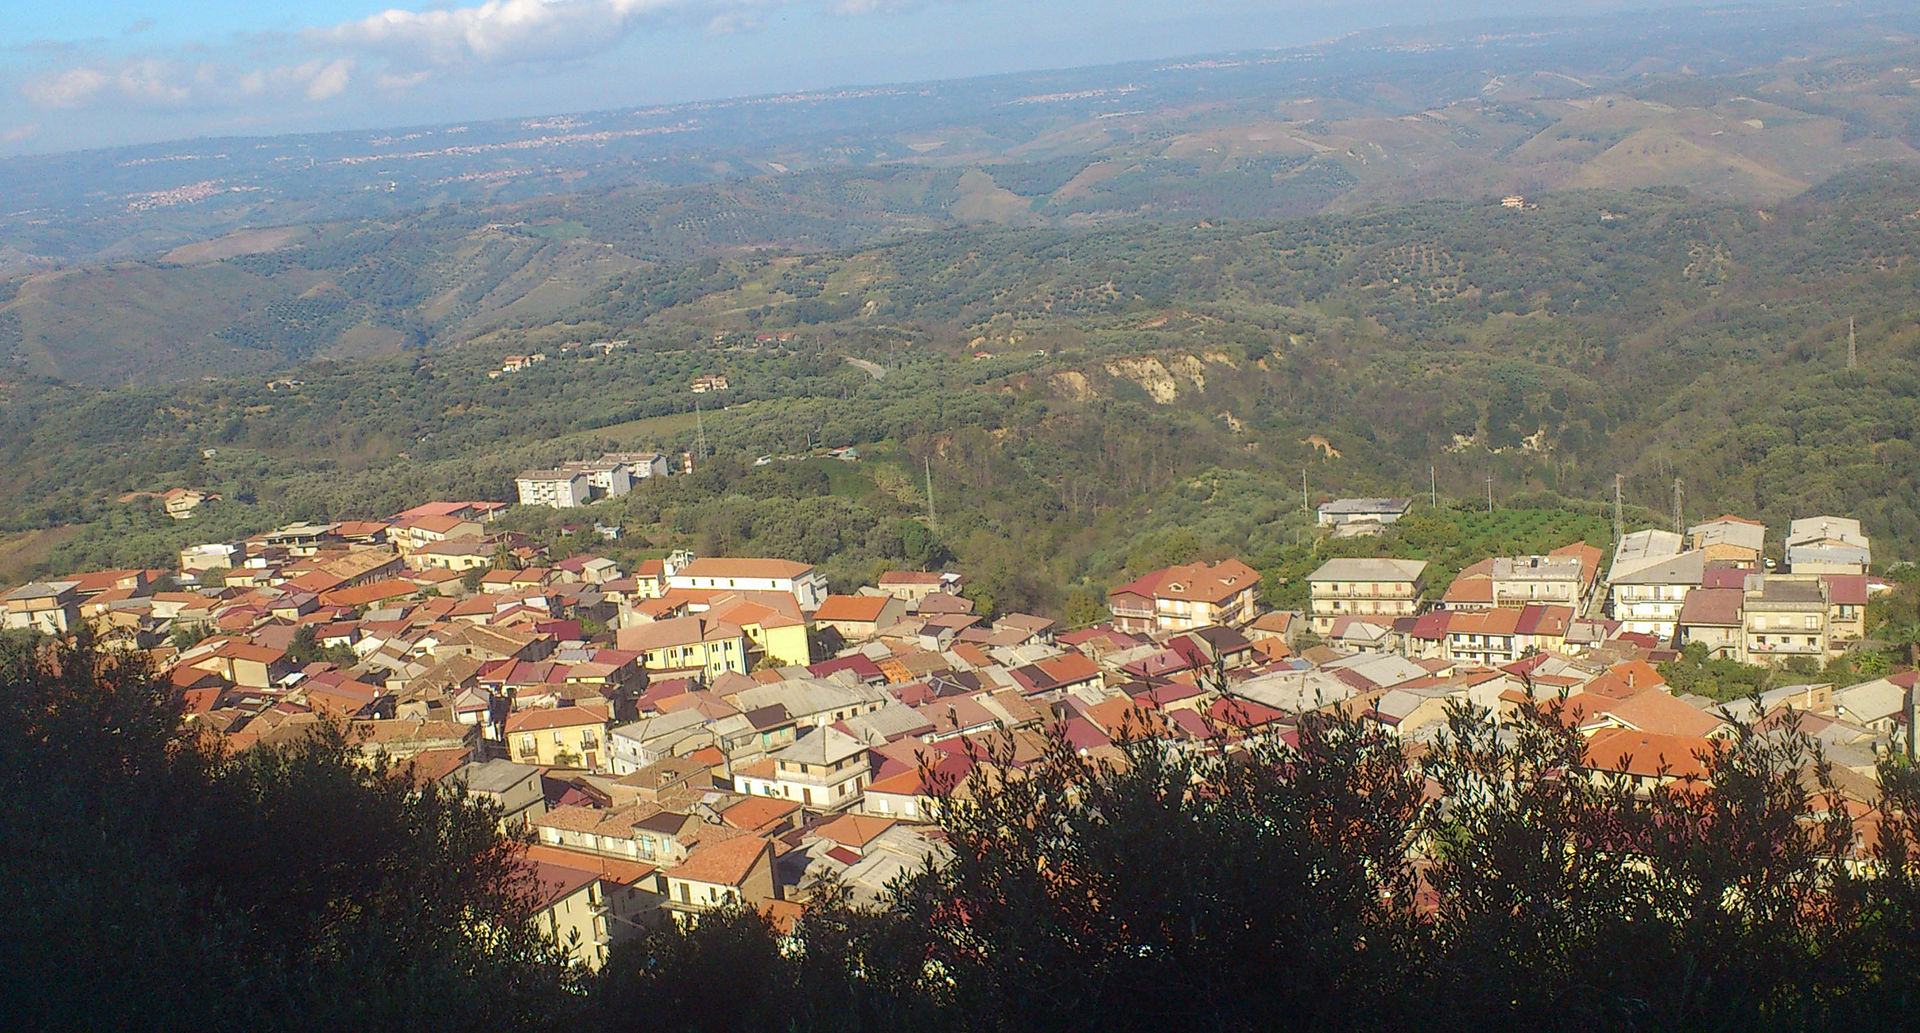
[[1078, 394]]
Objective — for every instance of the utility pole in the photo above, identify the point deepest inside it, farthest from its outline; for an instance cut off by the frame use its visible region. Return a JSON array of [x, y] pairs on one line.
[[1853, 351], [1679, 525], [1303, 491], [1433, 487], [933, 522], [1489, 493], [1619, 525]]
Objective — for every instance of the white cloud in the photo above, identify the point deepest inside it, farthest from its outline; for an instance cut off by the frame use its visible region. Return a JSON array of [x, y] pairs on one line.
[[24, 131], [68, 89], [395, 50], [390, 81], [152, 82], [330, 81], [496, 32], [731, 22]]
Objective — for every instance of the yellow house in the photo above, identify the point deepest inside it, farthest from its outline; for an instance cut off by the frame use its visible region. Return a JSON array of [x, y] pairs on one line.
[[771, 621], [571, 910], [572, 737], [688, 644], [777, 635]]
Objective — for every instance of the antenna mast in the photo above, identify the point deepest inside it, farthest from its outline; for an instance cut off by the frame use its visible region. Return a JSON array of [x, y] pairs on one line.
[[1679, 525], [700, 446]]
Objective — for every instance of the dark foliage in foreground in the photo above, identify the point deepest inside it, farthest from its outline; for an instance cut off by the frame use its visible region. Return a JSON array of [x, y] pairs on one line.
[[1329, 882], [1339, 884], [156, 883]]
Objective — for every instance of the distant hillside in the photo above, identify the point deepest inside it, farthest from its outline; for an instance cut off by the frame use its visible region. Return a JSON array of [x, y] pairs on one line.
[[1090, 400], [221, 273], [1750, 108]]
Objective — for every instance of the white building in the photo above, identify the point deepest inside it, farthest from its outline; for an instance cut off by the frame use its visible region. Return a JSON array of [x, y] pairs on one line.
[[1643, 549], [640, 465], [1373, 514], [1647, 600], [607, 478], [212, 556], [1827, 545], [800, 580], [560, 489]]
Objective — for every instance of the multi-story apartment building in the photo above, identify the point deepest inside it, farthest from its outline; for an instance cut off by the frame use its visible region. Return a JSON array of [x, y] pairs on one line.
[[1365, 586], [1647, 599], [560, 489], [1784, 616], [1522, 580]]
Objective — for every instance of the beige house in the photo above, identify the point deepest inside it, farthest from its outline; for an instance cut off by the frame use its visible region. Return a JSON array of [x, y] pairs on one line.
[[1729, 538], [1523, 580], [514, 788], [455, 554], [1785, 617], [731, 871], [859, 617], [911, 586], [1846, 610], [1371, 587], [1712, 617], [52, 607], [823, 770], [570, 909]]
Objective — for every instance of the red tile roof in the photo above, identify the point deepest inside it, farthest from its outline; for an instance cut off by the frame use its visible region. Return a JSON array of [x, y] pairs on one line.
[[726, 863], [1202, 582]]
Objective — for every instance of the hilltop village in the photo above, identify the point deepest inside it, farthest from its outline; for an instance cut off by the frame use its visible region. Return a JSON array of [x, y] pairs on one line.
[[704, 731]]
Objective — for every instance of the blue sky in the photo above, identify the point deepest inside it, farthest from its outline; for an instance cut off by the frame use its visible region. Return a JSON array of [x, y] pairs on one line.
[[84, 73]]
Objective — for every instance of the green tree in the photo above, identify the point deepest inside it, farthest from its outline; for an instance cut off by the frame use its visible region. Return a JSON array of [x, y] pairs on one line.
[[155, 874]]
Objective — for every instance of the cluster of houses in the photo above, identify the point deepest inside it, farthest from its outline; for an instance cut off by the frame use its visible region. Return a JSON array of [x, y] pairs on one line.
[[570, 485], [690, 733], [704, 731], [1713, 585]]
